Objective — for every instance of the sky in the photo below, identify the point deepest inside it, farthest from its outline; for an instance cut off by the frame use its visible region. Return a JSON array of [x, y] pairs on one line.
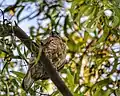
[[25, 24]]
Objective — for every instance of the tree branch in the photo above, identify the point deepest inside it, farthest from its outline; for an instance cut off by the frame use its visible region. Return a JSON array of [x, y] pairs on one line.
[[43, 59]]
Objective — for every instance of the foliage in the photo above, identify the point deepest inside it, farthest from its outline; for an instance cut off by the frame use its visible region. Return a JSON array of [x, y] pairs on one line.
[[91, 30]]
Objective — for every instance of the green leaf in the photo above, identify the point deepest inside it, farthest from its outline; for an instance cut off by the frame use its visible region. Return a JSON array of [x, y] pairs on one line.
[[5, 66], [72, 46], [117, 92], [104, 36], [2, 54], [18, 74], [107, 93], [70, 78], [15, 82], [88, 10], [116, 21], [92, 27], [65, 25], [100, 92]]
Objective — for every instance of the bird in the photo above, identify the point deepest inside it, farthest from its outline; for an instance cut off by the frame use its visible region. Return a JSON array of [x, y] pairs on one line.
[[55, 50]]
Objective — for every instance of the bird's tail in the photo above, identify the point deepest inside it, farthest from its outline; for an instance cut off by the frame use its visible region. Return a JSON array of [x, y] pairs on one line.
[[27, 81]]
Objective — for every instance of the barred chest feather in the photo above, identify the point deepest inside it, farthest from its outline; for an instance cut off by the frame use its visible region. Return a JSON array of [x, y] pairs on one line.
[[55, 50]]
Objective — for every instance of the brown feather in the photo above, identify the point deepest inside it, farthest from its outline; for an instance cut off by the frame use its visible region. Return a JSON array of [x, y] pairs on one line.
[[55, 50]]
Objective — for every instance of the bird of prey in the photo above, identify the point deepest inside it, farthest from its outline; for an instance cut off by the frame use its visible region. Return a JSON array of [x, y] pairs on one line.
[[55, 50]]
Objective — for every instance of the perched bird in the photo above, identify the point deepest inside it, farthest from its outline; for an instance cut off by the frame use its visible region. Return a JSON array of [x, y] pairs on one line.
[[55, 50]]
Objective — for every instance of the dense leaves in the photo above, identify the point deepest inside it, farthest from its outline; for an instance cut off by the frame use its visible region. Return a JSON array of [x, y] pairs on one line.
[[91, 30]]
